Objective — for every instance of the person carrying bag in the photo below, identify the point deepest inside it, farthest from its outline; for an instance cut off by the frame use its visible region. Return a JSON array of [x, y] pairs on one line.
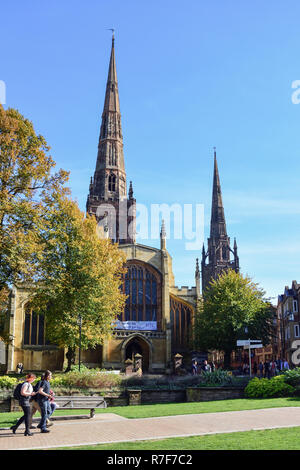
[[23, 392]]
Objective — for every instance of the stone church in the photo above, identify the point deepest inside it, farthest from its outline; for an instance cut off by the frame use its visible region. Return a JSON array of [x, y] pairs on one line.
[[157, 321]]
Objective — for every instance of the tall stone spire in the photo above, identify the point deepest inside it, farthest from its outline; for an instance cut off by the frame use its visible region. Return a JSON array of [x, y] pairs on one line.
[[108, 193], [217, 222], [218, 252]]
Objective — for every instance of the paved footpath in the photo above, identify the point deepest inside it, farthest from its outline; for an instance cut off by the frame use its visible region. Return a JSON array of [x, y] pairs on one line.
[[109, 428]]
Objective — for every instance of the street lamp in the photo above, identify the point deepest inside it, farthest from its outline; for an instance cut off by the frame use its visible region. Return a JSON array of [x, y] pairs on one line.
[[80, 325], [246, 331]]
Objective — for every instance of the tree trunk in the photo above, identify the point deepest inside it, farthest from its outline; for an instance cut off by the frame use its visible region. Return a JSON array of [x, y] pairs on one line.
[[70, 355], [227, 359]]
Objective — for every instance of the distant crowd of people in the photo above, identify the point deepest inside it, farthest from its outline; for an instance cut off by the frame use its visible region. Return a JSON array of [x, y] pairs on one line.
[[267, 369], [270, 368], [32, 399]]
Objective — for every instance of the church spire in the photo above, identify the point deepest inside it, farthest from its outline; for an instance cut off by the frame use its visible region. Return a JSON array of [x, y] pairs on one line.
[[111, 102], [107, 190], [217, 223], [218, 250], [110, 177]]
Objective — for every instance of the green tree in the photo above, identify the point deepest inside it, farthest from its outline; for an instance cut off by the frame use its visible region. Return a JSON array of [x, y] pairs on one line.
[[27, 188], [232, 303], [80, 274]]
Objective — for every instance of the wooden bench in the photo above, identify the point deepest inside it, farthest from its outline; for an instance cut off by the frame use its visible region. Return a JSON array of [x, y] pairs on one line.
[[80, 402]]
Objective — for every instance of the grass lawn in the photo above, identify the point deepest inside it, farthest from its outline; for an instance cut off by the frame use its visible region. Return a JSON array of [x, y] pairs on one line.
[[270, 439], [170, 409]]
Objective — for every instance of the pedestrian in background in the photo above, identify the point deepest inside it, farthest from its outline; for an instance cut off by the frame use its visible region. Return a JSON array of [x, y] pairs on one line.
[[20, 367], [267, 369], [206, 367], [273, 368], [286, 365]]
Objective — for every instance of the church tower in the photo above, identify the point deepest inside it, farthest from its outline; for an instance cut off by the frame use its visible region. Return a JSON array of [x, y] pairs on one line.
[[107, 199], [217, 257]]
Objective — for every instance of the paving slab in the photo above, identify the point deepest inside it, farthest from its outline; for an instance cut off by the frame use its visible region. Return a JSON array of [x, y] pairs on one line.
[[111, 428]]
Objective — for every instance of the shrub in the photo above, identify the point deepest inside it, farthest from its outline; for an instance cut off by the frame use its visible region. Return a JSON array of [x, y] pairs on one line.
[[86, 378], [268, 388], [8, 382], [218, 377], [292, 377]]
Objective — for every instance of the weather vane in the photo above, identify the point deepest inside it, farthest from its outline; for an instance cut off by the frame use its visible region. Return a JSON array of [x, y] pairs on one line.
[[113, 32]]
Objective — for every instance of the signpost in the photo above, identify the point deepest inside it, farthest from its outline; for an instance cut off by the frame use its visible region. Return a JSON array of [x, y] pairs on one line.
[[249, 344]]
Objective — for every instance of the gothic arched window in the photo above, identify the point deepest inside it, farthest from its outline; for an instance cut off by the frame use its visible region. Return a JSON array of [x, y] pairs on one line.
[[112, 182], [34, 327], [142, 285], [181, 323]]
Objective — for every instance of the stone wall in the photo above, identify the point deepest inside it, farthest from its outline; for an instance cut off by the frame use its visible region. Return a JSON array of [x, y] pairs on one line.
[[5, 396], [213, 393], [163, 396], [139, 397]]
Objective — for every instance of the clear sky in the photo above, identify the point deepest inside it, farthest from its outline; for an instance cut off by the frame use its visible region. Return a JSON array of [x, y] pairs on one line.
[[192, 75]]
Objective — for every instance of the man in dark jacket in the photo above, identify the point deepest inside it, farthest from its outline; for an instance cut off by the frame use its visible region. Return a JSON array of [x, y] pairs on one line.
[[43, 399]]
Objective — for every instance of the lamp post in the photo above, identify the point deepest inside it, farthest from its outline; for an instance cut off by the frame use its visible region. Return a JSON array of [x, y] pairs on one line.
[[80, 325], [246, 331]]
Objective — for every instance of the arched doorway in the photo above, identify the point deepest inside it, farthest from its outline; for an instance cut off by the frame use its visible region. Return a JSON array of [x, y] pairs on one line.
[[138, 345]]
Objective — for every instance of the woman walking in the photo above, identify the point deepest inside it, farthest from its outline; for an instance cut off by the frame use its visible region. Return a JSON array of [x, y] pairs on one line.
[[25, 393]]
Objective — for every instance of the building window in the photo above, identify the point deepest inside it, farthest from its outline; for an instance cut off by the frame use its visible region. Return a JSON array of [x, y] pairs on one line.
[[181, 322], [295, 306], [112, 182], [142, 285], [296, 331], [34, 328]]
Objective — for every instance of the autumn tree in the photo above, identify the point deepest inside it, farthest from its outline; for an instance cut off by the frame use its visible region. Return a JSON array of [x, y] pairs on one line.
[[28, 189], [231, 303], [80, 274]]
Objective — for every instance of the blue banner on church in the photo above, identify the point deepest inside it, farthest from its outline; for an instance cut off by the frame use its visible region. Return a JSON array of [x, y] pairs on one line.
[[136, 325]]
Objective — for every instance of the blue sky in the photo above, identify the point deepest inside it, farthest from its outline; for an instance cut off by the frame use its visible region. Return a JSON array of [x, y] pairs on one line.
[[192, 75]]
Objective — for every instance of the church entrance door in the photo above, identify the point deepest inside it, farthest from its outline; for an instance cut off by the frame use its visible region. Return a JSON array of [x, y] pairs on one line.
[[138, 346]]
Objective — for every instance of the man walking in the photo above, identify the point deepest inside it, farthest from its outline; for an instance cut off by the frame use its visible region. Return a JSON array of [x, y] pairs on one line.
[[43, 400]]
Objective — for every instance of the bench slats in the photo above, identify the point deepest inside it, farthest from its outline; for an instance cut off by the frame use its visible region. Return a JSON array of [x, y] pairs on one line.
[[79, 402]]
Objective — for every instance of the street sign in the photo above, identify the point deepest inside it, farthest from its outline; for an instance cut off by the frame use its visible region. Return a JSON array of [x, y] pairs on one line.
[[246, 342], [242, 342], [253, 346]]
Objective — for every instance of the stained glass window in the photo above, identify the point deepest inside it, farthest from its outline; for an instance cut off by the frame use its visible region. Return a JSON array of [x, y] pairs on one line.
[[142, 284], [181, 323]]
